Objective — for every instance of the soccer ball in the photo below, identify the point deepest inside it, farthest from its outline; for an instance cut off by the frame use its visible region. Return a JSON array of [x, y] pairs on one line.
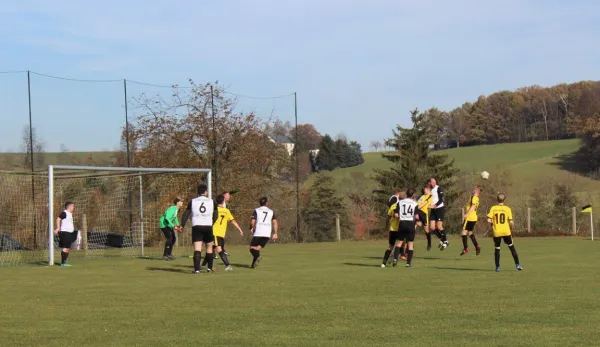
[[485, 175]]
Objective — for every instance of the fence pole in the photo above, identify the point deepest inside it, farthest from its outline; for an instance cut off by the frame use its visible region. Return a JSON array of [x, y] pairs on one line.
[[574, 220], [528, 220], [592, 224], [84, 232], [297, 168], [31, 149], [338, 231], [142, 214]]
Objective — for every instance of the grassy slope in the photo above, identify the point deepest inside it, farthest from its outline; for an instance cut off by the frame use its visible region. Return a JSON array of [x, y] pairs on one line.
[[323, 294], [527, 163]]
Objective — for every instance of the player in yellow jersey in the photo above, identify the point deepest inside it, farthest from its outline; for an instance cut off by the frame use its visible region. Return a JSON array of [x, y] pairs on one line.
[[220, 229], [423, 212], [469, 221], [501, 219], [393, 223]]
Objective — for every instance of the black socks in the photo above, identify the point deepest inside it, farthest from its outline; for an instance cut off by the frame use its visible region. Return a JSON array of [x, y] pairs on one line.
[[255, 254], [474, 239], [224, 258], [497, 256], [465, 241], [443, 233], [514, 254], [63, 257], [386, 256], [410, 256], [397, 252], [428, 238], [197, 258]]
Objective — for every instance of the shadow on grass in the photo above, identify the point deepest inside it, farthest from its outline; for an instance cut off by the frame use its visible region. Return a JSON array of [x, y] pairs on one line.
[[375, 258], [245, 266], [576, 162], [427, 258], [460, 268], [363, 265], [166, 269]]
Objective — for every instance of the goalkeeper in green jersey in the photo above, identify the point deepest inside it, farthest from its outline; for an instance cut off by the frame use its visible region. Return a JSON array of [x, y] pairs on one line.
[[169, 224]]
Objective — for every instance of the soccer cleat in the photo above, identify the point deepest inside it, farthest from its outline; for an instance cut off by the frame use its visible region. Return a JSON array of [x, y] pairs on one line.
[[210, 270], [519, 267], [441, 245], [382, 265], [497, 268], [65, 265], [465, 251], [228, 268], [428, 248], [195, 272], [255, 264], [395, 263], [404, 257], [477, 250], [227, 254], [408, 265]]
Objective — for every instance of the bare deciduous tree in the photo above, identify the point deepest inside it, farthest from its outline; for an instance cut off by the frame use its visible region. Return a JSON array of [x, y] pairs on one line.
[[32, 144]]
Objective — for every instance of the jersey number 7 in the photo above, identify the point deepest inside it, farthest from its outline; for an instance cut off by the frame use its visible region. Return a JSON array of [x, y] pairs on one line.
[[265, 218]]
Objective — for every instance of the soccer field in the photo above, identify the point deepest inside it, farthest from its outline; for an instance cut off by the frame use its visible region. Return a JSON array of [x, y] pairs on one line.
[[322, 294]]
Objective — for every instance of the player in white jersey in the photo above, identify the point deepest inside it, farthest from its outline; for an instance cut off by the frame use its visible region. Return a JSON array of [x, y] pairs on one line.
[[263, 223], [204, 212], [406, 212], [437, 213], [65, 230]]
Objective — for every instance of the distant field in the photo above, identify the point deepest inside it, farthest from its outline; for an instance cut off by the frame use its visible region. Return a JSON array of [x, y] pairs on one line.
[[14, 161], [321, 294], [528, 163]]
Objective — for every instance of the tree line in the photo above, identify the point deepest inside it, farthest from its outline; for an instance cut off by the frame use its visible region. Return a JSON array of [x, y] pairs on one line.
[[528, 114]]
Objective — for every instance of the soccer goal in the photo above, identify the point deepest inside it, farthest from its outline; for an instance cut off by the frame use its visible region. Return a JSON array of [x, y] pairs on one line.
[[117, 211]]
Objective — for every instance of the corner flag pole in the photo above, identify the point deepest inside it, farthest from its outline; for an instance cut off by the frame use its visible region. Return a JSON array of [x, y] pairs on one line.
[[592, 224]]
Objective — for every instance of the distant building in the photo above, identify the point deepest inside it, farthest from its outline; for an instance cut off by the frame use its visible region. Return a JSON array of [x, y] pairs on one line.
[[285, 141]]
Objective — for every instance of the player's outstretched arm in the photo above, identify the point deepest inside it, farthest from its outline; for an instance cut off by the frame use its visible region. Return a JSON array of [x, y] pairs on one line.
[[186, 215], [237, 226]]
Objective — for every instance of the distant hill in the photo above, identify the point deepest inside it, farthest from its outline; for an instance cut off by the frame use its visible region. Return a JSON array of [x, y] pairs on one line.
[[529, 164]]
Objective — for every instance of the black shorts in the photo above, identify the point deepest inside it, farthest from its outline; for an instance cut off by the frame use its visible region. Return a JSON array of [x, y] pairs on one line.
[[506, 239], [202, 233], [406, 231], [259, 241], [469, 226], [392, 237], [422, 217], [219, 241], [66, 239], [437, 214]]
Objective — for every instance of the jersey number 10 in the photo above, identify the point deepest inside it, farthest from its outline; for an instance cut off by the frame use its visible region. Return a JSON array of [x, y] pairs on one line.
[[500, 218]]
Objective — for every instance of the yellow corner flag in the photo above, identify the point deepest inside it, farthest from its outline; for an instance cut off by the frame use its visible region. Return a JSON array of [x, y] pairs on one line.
[[586, 209]]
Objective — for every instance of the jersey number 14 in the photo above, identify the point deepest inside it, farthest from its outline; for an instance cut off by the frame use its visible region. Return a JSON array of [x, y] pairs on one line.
[[407, 212]]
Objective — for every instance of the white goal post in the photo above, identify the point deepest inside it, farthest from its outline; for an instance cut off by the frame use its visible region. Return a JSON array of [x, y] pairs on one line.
[[134, 177]]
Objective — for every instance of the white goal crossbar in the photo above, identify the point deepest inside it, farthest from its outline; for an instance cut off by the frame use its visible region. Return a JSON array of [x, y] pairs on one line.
[[51, 169]]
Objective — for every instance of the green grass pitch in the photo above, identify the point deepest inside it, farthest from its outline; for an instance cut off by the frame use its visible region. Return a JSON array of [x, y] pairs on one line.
[[324, 294]]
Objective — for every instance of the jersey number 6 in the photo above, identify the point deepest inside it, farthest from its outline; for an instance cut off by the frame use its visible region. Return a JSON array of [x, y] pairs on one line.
[[202, 208]]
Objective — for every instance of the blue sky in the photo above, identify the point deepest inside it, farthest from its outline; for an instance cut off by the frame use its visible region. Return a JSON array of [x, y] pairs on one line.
[[358, 66]]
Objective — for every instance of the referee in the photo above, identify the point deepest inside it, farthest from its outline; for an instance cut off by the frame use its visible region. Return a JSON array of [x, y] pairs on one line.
[[438, 211], [65, 230]]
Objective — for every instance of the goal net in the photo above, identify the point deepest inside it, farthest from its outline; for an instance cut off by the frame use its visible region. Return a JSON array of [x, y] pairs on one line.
[[116, 214]]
